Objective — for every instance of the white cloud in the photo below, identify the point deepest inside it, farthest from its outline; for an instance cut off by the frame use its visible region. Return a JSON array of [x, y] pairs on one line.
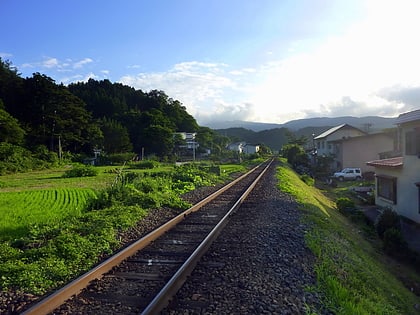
[[81, 63], [50, 63], [195, 84], [5, 55]]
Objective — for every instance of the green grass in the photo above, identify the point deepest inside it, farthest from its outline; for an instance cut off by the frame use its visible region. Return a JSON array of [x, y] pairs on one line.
[[51, 232], [352, 277], [19, 210]]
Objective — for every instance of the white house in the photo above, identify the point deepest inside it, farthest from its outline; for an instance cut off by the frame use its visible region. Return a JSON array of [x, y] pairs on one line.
[[251, 148], [237, 146], [398, 179], [189, 138], [243, 147]]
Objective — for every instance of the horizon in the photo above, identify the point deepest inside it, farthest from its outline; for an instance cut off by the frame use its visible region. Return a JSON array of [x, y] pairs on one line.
[[269, 61]]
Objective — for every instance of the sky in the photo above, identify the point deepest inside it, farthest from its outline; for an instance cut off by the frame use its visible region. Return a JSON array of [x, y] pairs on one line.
[[266, 61]]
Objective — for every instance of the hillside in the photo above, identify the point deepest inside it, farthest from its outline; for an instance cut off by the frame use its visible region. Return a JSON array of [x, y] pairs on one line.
[[375, 123], [274, 135]]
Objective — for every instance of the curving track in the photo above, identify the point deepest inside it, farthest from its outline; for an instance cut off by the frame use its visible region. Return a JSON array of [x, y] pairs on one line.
[[143, 277]]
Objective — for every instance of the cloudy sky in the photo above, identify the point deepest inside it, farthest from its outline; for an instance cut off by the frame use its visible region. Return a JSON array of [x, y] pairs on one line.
[[265, 61]]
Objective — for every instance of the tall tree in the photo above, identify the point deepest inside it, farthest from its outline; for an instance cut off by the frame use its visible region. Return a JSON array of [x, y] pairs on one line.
[[10, 130], [115, 137]]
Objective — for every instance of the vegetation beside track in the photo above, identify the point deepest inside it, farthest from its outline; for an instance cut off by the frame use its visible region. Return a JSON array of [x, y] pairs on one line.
[[352, 276], [57, 243]]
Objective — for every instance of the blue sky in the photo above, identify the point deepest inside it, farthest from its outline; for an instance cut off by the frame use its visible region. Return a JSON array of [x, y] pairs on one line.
[[266, 60]]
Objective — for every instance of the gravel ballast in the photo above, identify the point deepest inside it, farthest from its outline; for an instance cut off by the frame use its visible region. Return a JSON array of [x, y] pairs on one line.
[[258, 265]]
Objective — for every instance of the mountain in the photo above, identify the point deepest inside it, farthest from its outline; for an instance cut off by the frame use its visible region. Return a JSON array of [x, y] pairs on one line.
[[370, 123], [275, 135]]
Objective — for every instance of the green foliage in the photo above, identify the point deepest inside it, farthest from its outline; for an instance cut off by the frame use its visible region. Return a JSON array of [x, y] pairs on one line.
[[10, 130], [345, 204], [41, 250], [54, 255], [14, 159], [88, 115], [20, 210], [295, 155], [116, 158], [115, 136], [393, 242], [308, 180], [79, 170], [146, 164], [386, 220]]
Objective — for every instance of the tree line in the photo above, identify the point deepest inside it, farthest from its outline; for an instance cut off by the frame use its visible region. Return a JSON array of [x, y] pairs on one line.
[[39, 115]]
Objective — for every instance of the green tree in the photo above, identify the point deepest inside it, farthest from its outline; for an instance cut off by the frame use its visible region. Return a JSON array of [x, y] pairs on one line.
[[115, 137], [158, 140], [10, 130], [52, 112], [296, 155]]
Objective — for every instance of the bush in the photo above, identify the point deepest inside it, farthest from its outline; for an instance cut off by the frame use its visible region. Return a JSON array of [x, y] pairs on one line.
[[393, 242], [147, 164], [388, 219], [308, 180], [81, 171], [344, 204]]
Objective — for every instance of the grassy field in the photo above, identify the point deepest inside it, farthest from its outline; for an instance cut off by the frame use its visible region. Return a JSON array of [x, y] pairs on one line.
[[354, 275], [50, 231]]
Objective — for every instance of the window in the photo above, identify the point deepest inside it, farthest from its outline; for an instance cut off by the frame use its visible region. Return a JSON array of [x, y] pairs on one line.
[[387, 187], [412, 142], [418, 198]]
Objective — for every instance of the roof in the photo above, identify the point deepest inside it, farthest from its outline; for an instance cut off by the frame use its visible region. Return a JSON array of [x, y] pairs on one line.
[[407, 117], [391, 162], [365, 136], [334, 129]]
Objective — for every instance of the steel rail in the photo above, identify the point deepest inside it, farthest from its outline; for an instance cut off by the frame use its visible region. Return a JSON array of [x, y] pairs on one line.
[[163, 298], [54, 300]]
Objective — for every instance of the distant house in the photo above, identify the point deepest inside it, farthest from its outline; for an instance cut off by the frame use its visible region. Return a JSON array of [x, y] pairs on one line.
[[189, 138], [355, 151], [236, 146], [326, 143], [251, 148], [243, 147], [398, 178]]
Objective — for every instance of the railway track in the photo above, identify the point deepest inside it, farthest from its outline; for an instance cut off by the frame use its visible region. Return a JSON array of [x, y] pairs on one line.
[[143, 277]]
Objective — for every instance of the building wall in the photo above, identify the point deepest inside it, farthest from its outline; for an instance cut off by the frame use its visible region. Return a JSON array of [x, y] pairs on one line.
[[407, 192], [355, 152], [324, 147], [407, 176]]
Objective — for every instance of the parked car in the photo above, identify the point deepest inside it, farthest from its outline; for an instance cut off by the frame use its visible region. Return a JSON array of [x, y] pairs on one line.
[[349, 173]]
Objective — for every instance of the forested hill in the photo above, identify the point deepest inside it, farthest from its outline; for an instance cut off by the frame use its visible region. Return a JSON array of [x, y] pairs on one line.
[[35, 111]]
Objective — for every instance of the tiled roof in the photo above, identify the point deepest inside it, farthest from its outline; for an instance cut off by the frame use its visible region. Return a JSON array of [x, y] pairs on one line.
[[407, 117], [392, 162]]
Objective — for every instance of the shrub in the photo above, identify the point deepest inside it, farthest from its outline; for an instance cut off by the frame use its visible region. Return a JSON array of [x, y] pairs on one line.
[[147, 164], [344, 204], [81, 171], [386, 220], [308, 180], [393, 242]]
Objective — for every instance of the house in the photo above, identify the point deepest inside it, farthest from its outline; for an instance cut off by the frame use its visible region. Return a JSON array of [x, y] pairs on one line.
[[189, 138], [251, 148], [236, 146], [243, 147], [326, 143], [355, 151], [398, 178]]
